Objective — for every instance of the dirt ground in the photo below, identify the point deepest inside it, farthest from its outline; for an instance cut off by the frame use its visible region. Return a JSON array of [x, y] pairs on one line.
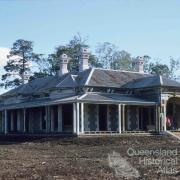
[[177, 134], [83, 158]]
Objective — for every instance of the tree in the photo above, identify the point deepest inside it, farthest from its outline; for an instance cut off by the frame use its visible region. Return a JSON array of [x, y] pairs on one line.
[[168, 71], [174, 66], [72, 49], [43, 68], [106, 53], [121, 60], [112, 58], [18, 64], [159, 69]]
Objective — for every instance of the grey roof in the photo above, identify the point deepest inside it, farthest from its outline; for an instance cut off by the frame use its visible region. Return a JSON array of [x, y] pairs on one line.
[[37, 85], [83, 76], [94, 77], [152, 81], [68, 81], [169, 83], [113, 78], [40, 102], [115, 98]]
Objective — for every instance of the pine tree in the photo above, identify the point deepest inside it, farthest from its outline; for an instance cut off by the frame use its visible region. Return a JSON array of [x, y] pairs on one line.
[[18, 65]]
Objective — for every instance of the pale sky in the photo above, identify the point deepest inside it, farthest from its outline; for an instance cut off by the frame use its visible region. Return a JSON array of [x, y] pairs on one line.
[[140, 27]]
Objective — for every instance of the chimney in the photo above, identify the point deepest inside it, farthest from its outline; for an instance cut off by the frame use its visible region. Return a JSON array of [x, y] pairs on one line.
[[63, 64], [84, 57], [139, 64]]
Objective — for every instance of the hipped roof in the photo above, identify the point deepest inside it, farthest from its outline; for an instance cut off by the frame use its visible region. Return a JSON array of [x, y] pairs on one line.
[[94, 78]]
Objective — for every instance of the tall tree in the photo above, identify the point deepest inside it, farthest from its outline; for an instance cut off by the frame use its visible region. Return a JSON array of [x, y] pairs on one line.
[[18, 65], [106, 53], [112, 58], [159, 69], [166, 70], [121, 60], [72, 49], [174, 67]]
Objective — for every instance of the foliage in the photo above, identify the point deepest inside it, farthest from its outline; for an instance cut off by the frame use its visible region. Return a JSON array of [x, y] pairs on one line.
[[50, 65], [106, 55], [122, 60], [168, 71], [18, 65], [112, 58]]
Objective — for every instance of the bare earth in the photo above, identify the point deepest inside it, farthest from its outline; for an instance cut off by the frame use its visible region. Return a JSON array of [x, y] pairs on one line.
[[177, 134], [84, 158]]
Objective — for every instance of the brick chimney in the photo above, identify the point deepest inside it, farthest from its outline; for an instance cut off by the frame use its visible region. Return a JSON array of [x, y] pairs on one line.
[[83, 62], [139, 64], [63, 64]]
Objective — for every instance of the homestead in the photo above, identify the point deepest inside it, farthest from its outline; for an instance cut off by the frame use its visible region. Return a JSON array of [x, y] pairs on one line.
[[93, 100]]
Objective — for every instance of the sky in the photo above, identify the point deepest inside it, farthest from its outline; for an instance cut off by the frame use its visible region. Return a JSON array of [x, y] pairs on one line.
[[140, 27]]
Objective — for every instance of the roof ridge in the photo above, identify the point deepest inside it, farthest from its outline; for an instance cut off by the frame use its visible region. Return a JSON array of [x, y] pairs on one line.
[[89, 76], [68, 75], [116, 70], [160, 80]]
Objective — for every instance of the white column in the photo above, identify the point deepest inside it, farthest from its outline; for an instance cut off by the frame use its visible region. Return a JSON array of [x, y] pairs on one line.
[[74, 117], [82, 117], [48, 118], [52, 118], [77, 115], [123, 117], [158, 118], [12, 120], [161, 118], [40, 119], [18, 119], [5, 122], [165, 117], [119, 118], [24, 120], [59, 118]]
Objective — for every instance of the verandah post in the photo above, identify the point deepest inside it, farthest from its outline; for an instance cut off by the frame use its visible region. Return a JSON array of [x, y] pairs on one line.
[[119, 118], [5, 122], [77, 117], [74, 117], [48, 119], [82, 117], [59, 118], [24, 119], [123, 117]]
